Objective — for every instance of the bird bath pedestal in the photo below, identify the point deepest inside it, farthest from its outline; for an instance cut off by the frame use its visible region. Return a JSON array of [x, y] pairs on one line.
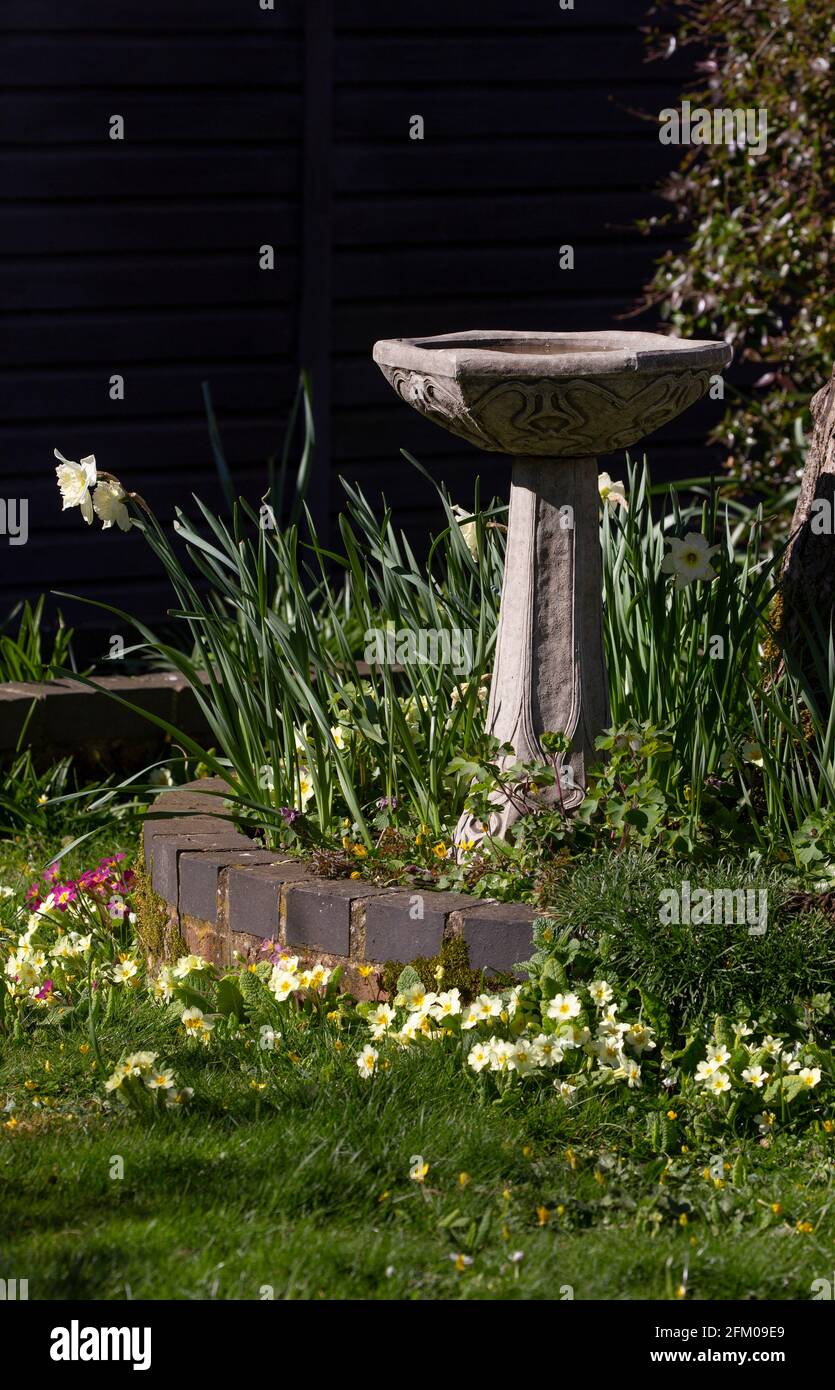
[[555, 401]]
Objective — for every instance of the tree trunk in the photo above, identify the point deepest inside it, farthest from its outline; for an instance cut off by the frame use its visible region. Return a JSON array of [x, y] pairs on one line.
[[807, 604]]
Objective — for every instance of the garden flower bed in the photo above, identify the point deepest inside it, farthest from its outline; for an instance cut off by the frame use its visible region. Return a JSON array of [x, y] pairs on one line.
[[226, 897]]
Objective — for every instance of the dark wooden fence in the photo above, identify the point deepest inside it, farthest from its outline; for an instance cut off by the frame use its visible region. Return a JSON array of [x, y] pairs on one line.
[[290, 127]]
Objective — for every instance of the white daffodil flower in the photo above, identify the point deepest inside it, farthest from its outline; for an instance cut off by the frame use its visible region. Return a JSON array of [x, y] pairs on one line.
[[689, 559], [612, 493], [75, 481], [109, 505], [468, 528]]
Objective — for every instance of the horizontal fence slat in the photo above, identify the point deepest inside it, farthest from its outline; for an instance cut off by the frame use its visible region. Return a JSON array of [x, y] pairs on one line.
[[118, 171], [60, 61], [152, 16], [205, 118], [513, 59], [560, 161], [170, 281]]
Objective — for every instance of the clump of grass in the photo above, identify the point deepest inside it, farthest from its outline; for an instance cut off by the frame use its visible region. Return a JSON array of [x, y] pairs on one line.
[[696, 969]]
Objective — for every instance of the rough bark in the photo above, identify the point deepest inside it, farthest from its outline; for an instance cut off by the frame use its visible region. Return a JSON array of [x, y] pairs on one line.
[[807, 604]]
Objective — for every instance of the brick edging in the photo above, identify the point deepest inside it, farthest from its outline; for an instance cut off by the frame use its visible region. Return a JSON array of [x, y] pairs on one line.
[[226, 894], [69, 715]]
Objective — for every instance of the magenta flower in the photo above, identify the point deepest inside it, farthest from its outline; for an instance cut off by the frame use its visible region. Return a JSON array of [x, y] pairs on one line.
[[46, 989], [64, 894]]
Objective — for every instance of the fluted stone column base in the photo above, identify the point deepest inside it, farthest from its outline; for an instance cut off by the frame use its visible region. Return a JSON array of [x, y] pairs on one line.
[[549, 674]]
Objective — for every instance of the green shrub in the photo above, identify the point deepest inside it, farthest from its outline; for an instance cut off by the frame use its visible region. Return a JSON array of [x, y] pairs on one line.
[[612, 902], [758, 265]]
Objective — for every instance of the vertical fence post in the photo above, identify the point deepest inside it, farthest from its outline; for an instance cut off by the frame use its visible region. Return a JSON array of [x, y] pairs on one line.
[[315, 340]]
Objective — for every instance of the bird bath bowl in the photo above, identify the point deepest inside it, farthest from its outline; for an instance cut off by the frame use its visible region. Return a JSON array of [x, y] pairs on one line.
[[555, 402]]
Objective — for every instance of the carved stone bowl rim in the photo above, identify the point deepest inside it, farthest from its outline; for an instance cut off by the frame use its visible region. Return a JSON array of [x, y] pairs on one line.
[[605, 353]]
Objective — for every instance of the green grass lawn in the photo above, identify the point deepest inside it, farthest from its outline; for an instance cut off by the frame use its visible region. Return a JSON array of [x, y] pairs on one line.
[[303, 1189], [290, 1176]]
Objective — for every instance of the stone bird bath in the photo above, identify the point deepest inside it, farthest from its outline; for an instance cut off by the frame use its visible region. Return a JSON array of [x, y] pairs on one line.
[[555, 401]]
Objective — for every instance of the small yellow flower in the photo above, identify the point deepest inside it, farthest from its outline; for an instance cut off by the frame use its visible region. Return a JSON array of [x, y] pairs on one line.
[[560, 1210], [828, 1126], [439, 850], [258, 1085], [776, 1207], [463, 1179], [672, 1114], [599, 1178], [47, 1066], [30, 1085], [10, 1124], [681, 1291], [543, 1216], [338, 1046], [366, 970], [527, 1151], [462, 1262], [805, 1228], [418, 1174], [506, 1195], [356, 874], [332, 1015], [359, 851], [42, 800], [683, 1220], [685, 1148], [571, 1159], [384, 1196]]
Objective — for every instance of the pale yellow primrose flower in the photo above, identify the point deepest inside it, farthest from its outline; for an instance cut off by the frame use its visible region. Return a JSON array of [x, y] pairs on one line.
[[564, 1006], [418, 999], [478, 1057], [810, 1076], [75, 481], [282, 983], [367, 1061], [382, 1017], [186, 964], [447, 1005], [124, 971], [196, 1025]]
